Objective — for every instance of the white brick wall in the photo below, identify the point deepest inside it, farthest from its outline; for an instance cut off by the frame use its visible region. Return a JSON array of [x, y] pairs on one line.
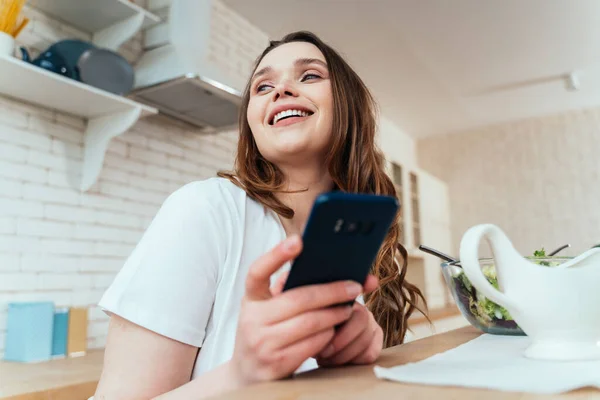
[[59, 244], [235, 57], [537, 179]]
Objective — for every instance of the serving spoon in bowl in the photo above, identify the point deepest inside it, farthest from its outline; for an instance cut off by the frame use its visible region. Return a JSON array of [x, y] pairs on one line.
[[561, 248], [437, 253], [450, 259]]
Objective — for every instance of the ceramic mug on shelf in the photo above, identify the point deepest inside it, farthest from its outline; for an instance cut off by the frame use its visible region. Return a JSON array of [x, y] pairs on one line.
[[7, 44]]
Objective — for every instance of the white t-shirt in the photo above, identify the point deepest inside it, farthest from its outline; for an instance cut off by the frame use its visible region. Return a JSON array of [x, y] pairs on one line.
[[186, 277]]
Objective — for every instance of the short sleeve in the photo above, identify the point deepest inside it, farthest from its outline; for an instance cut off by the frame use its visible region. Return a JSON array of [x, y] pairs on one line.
[[168, 283]]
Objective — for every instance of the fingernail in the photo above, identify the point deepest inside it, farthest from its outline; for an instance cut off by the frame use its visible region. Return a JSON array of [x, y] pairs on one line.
[[353, 289], [328, 352], [291, 243]]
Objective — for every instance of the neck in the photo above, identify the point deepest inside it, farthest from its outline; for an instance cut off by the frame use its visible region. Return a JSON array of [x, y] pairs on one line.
[[311, 183]]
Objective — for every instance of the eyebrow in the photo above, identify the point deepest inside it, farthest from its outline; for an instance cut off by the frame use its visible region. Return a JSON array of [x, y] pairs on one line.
[[307, 61], [298, 62]]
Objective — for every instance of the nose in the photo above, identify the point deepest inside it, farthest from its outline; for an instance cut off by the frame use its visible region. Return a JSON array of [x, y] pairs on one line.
[[284, 89]]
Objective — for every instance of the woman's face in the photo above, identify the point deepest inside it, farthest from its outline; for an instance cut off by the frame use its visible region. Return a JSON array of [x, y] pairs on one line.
[[290, 111]]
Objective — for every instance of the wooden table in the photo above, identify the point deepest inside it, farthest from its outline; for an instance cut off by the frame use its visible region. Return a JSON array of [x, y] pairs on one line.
[[65, 379], [354, 383], [76, 379]]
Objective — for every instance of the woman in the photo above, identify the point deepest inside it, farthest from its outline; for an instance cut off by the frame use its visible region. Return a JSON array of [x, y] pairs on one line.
[[198, 309]]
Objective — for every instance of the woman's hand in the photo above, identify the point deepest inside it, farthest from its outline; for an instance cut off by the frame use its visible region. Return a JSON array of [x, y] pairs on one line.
[[358, 341], [276, 334]]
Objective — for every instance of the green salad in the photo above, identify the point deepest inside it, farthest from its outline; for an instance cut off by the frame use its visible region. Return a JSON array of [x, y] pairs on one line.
[[480, 307]]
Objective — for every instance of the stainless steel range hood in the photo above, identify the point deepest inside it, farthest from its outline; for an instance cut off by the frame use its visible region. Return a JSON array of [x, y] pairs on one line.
[[194, 99], [177, 77]]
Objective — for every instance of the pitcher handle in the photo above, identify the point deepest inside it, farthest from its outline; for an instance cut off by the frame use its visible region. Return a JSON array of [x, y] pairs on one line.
[[469, 260]]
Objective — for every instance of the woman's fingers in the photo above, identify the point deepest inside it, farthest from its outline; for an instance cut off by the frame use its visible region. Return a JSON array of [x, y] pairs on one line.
[[259, 275], [277, 287], [372, 353], [312, 297], [305, 348], [359, 341], [349, 332], [355, 349], [371, 284], [307, 324]]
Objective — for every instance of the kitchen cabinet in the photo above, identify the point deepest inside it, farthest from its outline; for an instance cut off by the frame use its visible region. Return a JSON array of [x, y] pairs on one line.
[[425, 220]]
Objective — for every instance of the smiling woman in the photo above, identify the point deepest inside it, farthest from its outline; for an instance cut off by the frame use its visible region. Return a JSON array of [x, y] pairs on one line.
[[337, 140], [198, 307]]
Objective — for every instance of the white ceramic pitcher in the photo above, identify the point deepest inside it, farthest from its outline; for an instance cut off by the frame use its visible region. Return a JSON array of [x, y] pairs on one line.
[[557, 307]]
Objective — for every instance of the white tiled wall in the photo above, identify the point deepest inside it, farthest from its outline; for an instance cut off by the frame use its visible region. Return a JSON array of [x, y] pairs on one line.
[[538, 179], [62, 245]]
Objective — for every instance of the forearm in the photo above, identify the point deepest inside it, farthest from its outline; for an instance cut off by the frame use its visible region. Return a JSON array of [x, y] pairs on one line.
[[220, 380]]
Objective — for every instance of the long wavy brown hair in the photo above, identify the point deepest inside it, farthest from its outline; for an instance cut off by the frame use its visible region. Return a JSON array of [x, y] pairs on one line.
[[356, 165]]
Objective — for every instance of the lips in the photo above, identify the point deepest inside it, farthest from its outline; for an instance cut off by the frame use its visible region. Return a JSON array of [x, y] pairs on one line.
[[289, 113], [289, 121]]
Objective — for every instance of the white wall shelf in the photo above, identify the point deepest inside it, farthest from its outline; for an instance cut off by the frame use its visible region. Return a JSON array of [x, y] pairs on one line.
[[108, 115], [111, 22]]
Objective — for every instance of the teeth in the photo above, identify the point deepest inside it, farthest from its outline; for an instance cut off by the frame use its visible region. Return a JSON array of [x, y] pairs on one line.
[[288, 113]]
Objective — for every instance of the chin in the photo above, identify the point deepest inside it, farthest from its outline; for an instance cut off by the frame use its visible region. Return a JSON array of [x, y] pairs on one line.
[[283, 151], [290, 144], [289, 152], [289, 139]]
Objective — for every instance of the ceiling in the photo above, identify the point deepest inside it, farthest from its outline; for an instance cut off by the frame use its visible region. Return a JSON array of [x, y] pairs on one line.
[[439, 66]]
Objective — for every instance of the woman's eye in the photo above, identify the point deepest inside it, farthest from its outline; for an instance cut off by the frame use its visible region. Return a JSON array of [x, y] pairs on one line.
[[261, 88], [310, 77]]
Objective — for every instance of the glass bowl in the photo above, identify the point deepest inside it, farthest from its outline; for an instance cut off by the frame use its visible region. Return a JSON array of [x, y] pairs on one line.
[[481, 312]]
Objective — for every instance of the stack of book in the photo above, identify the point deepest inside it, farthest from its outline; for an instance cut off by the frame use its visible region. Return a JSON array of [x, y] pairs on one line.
[[39, 331]]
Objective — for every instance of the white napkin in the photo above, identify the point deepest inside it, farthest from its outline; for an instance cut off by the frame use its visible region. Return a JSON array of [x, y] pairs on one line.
[[496, 362]]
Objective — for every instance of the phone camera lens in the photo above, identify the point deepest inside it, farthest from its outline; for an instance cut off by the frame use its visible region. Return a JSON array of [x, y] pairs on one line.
[[368, 227], [352, 227]]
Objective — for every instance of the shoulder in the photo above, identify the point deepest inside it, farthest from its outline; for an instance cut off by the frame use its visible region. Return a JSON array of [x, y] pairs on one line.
[[214, 194], [211, 190]]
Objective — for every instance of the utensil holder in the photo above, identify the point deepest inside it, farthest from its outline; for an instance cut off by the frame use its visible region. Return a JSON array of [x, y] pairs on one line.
[[7, 44]]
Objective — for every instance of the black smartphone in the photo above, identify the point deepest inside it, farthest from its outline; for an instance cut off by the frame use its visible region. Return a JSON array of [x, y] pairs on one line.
[[342, 237]]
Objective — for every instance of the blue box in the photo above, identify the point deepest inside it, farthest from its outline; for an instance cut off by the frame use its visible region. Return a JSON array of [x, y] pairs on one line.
[[29, 331], [60, 332]]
